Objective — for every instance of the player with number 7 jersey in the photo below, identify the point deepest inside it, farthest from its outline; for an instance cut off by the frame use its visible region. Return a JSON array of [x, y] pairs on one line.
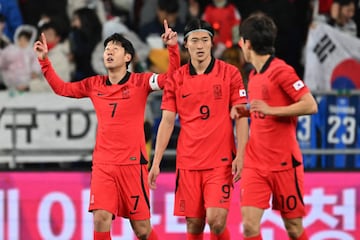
[[119, 172]]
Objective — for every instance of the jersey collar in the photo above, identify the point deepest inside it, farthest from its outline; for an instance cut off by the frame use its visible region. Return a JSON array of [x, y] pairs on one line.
[[122, 81], [208, 69], [267, 64]]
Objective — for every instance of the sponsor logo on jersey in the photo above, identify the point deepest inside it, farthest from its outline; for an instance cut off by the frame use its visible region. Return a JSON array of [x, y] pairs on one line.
[[185, 95]]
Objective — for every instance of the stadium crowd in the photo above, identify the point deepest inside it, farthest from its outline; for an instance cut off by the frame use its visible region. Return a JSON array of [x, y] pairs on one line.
[[76, 29]]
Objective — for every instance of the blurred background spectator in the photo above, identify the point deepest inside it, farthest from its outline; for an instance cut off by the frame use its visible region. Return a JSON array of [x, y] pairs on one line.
[[175, 10], [151, 31], [59, 52], [166, 9], [83, 40], [4, 41], [340, 16], [18, 62], [13, 17], [292, 18], [225, 19]]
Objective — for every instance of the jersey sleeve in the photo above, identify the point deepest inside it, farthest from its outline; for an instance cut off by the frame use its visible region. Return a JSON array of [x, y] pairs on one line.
[[169, 95], [174, 63], [237, 89], [291, 83], [68, 89]]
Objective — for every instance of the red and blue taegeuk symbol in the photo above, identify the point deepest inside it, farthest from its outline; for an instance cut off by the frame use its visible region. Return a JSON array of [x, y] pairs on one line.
[[346, 75]]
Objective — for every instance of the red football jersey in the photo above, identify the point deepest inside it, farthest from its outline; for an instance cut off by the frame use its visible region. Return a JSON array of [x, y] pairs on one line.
[[119, 109], [272, 143], [203, 103]]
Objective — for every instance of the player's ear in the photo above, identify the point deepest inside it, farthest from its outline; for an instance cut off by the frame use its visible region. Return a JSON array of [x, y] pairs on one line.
[[128, 57]]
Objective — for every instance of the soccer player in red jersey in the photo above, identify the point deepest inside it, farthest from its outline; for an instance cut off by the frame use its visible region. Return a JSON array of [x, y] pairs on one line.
[[119, 171], [202, 92], [273, 161]]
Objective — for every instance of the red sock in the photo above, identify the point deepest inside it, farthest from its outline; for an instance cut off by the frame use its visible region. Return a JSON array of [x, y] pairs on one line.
[[303, 236], [191, 236], [102, 236], [153, 235], [225, 235], [258, 237]]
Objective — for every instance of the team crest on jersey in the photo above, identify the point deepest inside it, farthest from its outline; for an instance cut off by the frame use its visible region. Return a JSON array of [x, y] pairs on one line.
[[125, 92], [265, 92], [217, 91]]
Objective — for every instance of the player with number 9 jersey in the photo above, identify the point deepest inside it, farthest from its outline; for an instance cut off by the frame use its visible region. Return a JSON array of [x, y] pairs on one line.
[[203, 92]]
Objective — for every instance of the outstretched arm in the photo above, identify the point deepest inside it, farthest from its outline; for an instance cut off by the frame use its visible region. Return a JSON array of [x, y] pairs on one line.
[[77, 89], [165, 130]]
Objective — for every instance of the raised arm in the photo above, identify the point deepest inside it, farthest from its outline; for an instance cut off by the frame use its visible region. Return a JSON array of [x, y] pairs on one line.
[[60, 87], [170, 39]]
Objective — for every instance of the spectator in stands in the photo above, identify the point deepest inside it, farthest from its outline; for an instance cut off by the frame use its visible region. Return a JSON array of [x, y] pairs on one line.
[[97, 6], [18, 62], [150, 33], [59, 51], [196, 8], [4, 40], [119, 167], [83, 40], [235, 56], [149, 10], [13, 17], [166, 9], [341, 16], [292, 19], [33, 10], [225, 19]]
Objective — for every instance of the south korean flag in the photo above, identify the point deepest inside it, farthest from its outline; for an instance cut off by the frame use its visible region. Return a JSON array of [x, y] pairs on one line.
[[242, 93], [298, 85]]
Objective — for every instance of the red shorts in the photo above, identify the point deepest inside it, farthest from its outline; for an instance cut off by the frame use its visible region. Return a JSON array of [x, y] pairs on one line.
[[122, 190], [286, 188], [197, 190]]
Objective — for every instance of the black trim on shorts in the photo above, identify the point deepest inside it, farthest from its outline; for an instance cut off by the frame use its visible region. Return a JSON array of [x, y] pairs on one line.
[[143, 187], [296, 163], [143, 159], [177, 180]]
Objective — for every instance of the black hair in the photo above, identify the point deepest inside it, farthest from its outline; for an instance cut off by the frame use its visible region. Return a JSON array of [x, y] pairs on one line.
[[195, 24], [169, 6], [261, 30], [25, 34], [126, 44], [51, 25], [344, 2], [2, 18], [90, 24]]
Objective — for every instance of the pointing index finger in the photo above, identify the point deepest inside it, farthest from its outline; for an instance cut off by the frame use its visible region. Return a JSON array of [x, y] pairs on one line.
[[43, 39], [166, 26]]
